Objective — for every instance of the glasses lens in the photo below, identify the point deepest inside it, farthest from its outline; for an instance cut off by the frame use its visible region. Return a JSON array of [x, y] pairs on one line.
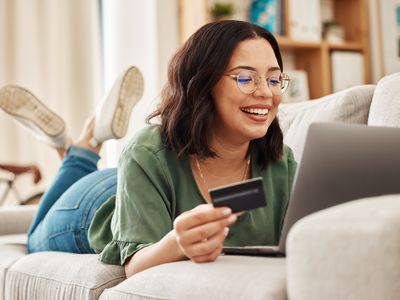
[[284, 82], [274, 84], [278, 84], [246, 82]]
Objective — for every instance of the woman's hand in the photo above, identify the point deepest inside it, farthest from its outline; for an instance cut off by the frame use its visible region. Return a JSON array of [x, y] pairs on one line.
[[200, 232]]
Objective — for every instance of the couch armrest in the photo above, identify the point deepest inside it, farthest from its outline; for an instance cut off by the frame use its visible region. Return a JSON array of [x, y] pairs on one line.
[[16, 219], [350, 251]]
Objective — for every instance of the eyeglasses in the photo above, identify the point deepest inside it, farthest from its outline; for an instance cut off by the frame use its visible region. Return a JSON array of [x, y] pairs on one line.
[[248, 82]]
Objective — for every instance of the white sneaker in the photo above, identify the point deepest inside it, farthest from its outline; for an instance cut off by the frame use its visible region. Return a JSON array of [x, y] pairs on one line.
[[113, 114], [33, 115]]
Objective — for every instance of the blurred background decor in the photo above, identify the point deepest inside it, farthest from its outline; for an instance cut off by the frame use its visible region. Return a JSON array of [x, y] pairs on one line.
[[267, 14], [390, 32], [333, 32], [68, 53], [222, 11], [53, 49], [298, 87]]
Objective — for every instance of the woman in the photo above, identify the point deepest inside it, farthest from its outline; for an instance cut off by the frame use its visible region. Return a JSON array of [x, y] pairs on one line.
[[217, 126], [217, 123]]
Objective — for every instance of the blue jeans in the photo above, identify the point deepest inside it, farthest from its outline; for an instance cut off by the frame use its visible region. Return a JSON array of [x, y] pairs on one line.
[[68, 206]]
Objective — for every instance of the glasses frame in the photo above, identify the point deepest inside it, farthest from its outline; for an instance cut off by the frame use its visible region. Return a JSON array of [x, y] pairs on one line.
[[257, 79]]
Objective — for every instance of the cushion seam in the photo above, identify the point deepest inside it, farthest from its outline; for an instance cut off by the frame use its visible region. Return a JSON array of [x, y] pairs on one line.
[[65, 282]]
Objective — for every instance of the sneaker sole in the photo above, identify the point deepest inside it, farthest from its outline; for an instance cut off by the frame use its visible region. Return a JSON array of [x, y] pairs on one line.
[[129, 94], [22, 103]]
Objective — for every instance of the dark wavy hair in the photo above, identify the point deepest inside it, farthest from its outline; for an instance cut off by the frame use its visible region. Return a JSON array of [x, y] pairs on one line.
[[187, 109]]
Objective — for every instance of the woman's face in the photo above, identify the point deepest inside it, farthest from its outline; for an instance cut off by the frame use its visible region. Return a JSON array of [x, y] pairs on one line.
[[244, 117]]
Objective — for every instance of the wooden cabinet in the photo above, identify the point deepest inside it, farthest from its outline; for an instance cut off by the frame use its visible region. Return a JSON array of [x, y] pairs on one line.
[[313, 57]]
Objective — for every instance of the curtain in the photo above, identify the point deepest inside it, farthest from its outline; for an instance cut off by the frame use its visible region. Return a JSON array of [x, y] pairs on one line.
[[52, 48]]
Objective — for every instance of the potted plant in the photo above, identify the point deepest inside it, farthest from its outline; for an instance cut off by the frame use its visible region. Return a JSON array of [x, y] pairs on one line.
[[222, 11]]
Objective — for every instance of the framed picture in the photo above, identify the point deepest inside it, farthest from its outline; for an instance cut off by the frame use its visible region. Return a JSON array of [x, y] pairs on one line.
[[390, 34], [298, 86]]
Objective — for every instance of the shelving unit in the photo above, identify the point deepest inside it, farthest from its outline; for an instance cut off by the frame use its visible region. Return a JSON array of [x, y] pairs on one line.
[[313, 57]]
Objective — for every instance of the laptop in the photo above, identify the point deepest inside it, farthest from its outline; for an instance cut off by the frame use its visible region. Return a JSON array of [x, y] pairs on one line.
[[340, 163]]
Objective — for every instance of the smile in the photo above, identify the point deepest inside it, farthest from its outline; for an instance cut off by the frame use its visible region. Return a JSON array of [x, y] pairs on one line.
[[256, 111]]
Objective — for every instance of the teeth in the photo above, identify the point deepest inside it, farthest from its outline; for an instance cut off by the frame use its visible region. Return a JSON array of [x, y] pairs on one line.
[[256, 111]]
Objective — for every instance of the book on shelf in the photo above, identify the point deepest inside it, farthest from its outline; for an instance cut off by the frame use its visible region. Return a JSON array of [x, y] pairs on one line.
[[298, 89], [267, 14], [347, 69], [305, 20]]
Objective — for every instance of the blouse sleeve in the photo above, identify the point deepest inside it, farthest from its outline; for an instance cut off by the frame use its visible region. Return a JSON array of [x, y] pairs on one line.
[[143, 211]]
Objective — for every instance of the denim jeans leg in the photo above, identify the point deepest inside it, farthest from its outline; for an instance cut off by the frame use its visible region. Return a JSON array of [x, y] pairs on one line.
[[77, 163], [65, 226]]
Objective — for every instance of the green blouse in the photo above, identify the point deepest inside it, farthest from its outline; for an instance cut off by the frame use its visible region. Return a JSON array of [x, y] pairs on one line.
[[154, 187]]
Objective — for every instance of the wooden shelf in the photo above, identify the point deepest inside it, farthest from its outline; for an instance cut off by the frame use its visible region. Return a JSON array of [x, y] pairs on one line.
[[348, 46], [313, 57], [288, 43]]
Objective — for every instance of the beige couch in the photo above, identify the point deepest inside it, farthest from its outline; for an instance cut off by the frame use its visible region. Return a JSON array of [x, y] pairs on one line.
[[350, 251]]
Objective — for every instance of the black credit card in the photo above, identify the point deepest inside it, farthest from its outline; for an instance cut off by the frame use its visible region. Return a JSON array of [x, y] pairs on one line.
[[240, 196]]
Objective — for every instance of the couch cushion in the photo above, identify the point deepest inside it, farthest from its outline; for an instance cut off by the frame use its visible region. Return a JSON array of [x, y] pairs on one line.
[[58, 275], [9, 253], [229, 277], [347, 106], [349, 251], [385, 106]]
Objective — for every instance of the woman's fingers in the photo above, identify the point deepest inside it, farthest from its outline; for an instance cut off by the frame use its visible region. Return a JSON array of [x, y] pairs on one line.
[[200, 232], [208, 258], [205, 231], [208, 250], [200, 215]]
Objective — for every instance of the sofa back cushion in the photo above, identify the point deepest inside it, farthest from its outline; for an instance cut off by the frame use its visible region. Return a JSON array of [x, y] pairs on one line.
[[347, 106], [385, 105]]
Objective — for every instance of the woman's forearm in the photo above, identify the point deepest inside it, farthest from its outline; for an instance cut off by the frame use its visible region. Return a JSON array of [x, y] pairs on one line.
[[164, 251]]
